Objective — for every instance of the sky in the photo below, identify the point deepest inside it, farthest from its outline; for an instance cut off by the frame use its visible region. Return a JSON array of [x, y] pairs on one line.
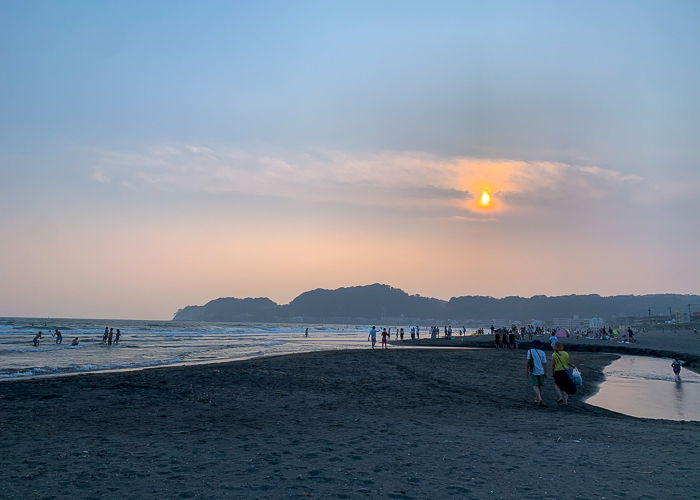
[[155, 154]]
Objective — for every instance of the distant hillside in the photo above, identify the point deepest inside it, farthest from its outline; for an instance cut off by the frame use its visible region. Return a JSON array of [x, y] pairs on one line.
[[382, 302]]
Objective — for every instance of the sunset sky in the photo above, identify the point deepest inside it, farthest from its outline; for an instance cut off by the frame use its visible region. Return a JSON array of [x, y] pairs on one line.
[[160, 154]]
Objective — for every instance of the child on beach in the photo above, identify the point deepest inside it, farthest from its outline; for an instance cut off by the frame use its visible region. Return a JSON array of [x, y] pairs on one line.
[[37, 339], [676, 365], [372, 336]]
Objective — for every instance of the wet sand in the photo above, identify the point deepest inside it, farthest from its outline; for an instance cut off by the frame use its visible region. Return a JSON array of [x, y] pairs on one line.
[[396, 424]]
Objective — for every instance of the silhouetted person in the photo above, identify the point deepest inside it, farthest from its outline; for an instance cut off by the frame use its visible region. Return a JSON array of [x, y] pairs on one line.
[[117, 336]]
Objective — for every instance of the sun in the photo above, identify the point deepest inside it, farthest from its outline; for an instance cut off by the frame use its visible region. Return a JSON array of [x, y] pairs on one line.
[[485, 199]]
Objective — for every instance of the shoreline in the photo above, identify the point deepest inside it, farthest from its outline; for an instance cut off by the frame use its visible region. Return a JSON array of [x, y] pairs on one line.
[[404, 423]]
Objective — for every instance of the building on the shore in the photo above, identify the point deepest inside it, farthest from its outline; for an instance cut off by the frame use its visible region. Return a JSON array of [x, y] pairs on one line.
[[596, 323], [577, 323]]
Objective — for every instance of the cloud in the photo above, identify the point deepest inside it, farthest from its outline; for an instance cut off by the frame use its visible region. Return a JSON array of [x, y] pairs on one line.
[[448, 186]]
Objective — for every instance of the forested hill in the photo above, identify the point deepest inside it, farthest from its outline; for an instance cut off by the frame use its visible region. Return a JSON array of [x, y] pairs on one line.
[[377, 302]]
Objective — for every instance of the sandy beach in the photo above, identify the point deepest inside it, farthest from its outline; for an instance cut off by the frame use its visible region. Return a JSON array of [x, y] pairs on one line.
[[423, 423]]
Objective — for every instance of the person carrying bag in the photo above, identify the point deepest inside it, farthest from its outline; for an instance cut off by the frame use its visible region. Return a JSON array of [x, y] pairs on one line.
[[561, 373]]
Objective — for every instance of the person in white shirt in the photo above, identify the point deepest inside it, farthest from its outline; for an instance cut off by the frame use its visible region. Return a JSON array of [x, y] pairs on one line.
[[536, 364]]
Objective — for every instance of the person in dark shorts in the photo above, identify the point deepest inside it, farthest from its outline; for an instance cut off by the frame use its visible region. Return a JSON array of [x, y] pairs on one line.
[[511, 340], [561, 373], [385, 339], [536, 369], [117, 336], [676, 365], [497, 339]]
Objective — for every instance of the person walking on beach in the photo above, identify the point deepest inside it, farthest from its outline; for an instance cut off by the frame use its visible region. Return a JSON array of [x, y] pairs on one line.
[[536, 365], [561, 373], [497, 340], [117, 336], [372, 336], [676, 365], [385, 339], [553, 339]]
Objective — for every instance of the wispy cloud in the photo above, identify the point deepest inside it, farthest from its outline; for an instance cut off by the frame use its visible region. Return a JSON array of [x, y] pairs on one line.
[[404, 179]]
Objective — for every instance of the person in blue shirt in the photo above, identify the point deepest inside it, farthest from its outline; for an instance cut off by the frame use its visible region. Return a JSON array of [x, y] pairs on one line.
[[372, 336]]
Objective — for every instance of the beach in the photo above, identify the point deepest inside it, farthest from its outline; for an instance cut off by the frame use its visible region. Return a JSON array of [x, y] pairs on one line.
[[401, 423]]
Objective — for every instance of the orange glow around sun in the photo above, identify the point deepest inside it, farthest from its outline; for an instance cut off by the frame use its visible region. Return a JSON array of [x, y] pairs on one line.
[[485, 199]]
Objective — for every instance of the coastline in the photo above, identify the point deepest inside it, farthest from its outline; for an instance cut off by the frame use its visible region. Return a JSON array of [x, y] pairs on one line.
[[405, 423]]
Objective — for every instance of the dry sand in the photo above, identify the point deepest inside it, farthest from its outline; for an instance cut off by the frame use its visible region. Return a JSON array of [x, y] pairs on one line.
[[425, 423]]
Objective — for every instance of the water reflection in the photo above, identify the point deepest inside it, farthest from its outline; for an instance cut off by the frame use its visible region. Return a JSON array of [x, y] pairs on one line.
[[642, 386]]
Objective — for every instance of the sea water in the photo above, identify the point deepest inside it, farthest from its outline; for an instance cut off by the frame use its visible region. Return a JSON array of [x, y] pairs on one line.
[[146, 344], [645, 387]]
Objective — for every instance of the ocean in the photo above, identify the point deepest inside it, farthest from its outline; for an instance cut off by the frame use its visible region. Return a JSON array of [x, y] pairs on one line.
[[147, 344]]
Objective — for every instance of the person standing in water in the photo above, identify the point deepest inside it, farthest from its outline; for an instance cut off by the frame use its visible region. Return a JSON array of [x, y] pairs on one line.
[[372, 336], [676, 365], [306, 332], [109, 336], [37, 339], [104, 337], [117, 336], [59, 337]]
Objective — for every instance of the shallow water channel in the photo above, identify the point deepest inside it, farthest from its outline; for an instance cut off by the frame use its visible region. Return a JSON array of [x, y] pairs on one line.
[[643, 386]]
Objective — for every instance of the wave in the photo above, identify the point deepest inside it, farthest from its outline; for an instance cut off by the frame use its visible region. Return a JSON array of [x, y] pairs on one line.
[[39, 349], [44, 371]]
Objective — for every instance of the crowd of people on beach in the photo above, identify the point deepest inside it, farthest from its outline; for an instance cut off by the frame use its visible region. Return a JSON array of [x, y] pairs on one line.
[[109, 337]]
